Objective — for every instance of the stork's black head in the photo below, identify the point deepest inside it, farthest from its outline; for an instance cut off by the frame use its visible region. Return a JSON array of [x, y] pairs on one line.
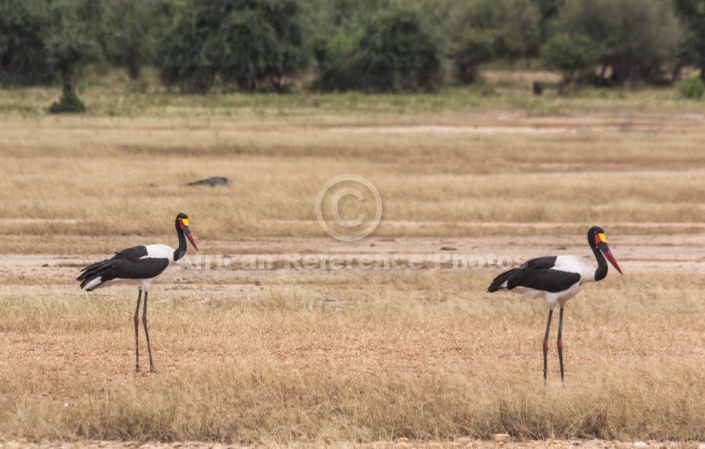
[[594, 235], [182, 226], [598, 241]]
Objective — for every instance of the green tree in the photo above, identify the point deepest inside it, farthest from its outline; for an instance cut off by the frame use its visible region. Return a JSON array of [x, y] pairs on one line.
[[254, 44], [72, 43], [329, 17], [334, 29], [549, 10], [473, 50], [486, 29], [636, 39], [692, 15], [181, 59], [396, 53], [574, 55], [335, 58], [135, 29], [23, 29], [511, 25], [392, 52]]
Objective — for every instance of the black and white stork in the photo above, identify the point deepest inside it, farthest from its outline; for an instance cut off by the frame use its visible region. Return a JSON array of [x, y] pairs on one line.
[[555, 280], [139, 265]]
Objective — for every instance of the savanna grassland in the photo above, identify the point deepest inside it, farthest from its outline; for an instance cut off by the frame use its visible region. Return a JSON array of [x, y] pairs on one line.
[[324, 356]]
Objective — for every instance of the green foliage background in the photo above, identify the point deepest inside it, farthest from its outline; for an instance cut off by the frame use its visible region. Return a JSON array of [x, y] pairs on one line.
[[366, 45]]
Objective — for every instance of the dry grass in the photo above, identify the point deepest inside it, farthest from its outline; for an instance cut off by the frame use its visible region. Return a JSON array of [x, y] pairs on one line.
[[349, 355], [416, 355], [66, 177]]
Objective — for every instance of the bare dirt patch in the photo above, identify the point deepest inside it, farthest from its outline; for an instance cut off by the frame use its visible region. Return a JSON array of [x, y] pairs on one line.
[[638, 246]]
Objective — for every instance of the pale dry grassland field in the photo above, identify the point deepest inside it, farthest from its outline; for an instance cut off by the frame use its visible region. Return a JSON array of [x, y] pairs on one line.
[[357, 357]]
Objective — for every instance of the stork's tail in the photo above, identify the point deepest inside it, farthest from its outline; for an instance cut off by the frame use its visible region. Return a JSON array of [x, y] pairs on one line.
[[501, 281], [91, 277]]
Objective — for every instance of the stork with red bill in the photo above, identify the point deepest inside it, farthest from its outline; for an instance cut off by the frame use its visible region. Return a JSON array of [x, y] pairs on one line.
[[139, 266], [555, 280]]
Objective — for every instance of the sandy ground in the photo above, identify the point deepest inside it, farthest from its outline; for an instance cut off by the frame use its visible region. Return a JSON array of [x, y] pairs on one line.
[[637, 247]]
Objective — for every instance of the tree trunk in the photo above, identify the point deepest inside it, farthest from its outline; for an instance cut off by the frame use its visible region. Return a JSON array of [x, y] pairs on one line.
[[603, 72], [69, 102], [133, 61], [68, 83]]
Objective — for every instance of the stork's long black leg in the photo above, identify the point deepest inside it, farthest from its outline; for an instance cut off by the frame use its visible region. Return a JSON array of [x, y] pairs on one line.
[[137, 331], [545, 346], [146, 334], [559, 343]]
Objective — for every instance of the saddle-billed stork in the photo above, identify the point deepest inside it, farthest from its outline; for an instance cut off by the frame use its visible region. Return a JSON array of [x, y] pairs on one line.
[[139, 266], [555, 280]]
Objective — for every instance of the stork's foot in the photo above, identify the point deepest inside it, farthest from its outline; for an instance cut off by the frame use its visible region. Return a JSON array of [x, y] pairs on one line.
[[153, 370]]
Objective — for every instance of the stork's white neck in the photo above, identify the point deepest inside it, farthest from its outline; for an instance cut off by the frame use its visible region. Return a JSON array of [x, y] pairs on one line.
[[160, 251], [576, 264]]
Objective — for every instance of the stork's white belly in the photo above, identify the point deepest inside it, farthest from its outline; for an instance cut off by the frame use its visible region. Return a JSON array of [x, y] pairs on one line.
[[143, 284]]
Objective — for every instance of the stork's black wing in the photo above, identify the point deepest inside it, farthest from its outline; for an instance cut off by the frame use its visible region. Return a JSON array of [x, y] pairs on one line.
[[551, 281], [127, 264], [536, 274]]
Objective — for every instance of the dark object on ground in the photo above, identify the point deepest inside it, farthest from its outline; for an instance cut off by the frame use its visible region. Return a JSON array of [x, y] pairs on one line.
[[538, 88], [212, 181]]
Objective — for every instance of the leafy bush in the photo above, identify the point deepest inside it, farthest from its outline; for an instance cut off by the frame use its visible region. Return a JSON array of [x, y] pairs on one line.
[[473, 50], [485, 29], [636, 38], [692, 88], [512, 26], [692, 16], [336, 62], [23, 58], [182, 61], [261, 47], [68, 103], [571, 54], [254, 44], [134, 29], [393, 53]]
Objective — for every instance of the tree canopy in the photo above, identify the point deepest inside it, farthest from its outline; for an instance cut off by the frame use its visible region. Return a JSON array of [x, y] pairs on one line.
[[23, 54], [367, 45], [692, 15], [253, 44], [630, 39]]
